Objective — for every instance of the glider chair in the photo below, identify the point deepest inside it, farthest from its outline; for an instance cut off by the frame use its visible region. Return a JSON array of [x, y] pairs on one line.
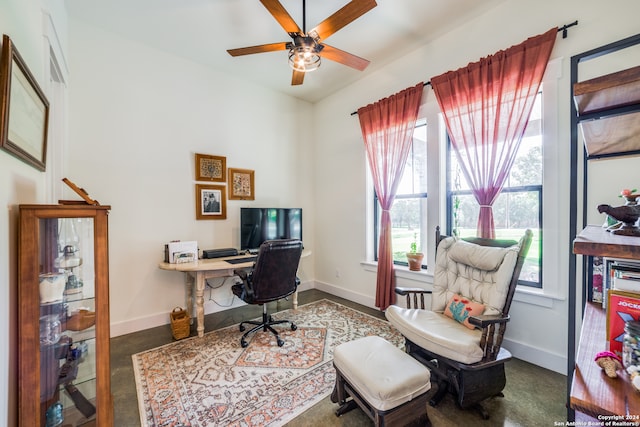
[[272, 277], [459, 337]]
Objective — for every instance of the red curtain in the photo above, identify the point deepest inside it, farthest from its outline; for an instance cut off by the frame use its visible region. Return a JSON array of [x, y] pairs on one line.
[[486, 107], [387, 128]]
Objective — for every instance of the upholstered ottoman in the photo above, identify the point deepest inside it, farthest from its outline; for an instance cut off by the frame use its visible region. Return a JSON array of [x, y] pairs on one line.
[[386, 383]]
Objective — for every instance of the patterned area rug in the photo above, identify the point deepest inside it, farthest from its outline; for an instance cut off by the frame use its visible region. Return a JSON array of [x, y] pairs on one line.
[[213, 381]]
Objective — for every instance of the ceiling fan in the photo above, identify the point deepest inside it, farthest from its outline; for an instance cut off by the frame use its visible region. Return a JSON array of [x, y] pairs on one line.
[[307, 48]]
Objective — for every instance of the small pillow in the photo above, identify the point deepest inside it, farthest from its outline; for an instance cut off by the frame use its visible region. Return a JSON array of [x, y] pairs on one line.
[[460, 308]]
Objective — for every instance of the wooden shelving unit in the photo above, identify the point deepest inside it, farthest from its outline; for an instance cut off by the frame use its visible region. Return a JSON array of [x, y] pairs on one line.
[[606, 110], [592, 392]]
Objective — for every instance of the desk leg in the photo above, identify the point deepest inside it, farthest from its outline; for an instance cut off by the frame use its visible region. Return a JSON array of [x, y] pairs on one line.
[[200, 302], [188, 287], [295, 300]]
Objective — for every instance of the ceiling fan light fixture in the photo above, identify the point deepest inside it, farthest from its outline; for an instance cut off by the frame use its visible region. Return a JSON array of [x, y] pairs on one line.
[[304, 58]]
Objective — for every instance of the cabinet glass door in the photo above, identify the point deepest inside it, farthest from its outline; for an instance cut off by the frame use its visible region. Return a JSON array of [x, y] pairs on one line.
[[67, 321]]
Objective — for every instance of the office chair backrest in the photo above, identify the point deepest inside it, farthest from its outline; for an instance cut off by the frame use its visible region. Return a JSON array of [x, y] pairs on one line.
[[274, 273]]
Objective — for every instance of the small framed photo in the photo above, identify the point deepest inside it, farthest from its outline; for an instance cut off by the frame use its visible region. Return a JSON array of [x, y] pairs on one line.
[[241, 184], [24, 110], [211, 168], [211, 201]]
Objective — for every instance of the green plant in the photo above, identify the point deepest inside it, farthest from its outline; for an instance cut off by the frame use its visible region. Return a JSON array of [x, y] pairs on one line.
[[414, 244]]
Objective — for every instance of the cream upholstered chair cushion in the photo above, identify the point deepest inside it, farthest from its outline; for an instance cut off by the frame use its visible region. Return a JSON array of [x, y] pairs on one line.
[[480, 273]]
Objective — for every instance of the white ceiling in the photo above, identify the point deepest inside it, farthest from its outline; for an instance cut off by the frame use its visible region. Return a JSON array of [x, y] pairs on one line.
[[202, 31]]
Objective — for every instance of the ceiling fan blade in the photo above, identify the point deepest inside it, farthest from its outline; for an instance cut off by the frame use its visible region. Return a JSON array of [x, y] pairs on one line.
[[337, 55], [349, 13], [297, 78], [281, 15], [271, 47]]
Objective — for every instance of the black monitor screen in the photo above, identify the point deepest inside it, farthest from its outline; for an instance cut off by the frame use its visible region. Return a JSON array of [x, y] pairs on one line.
[[260, 224]]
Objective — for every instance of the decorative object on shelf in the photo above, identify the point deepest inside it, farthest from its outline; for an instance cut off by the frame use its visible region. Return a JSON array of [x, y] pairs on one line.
[[211, 168], [211, 202], [180, 323], [631, 344], [241, 184], [24, 110], [627, 214], [52, 287], [50, 329], [54, 415], [634, 375], [80, 192], [81, 320], [609, 362], [629, 196], [413, 256], [70, 259]]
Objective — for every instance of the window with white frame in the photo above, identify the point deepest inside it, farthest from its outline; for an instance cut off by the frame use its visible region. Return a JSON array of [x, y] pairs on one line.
[[519, 205], [548, 174], [408, 213]]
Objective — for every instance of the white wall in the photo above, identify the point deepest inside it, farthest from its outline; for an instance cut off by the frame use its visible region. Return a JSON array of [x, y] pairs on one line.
[[538, 330], [138, 117]]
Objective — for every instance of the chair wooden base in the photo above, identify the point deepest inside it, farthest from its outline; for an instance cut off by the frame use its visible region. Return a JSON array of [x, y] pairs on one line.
[[411, 414], [471, 384]]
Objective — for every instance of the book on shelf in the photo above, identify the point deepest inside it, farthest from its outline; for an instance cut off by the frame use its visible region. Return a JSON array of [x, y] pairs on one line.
[[623, 307], [626, 275]]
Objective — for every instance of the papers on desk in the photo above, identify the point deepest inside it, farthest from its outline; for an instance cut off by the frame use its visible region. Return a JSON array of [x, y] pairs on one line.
[[179, 252]]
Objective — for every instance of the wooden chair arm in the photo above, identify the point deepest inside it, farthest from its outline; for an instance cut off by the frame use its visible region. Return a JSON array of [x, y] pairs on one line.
[[493, 327], [412, 296], [405, 291], [482, 321]]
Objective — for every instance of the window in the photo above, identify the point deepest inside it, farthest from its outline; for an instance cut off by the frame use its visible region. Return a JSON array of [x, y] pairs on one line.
[[519, 205], [408, 213]]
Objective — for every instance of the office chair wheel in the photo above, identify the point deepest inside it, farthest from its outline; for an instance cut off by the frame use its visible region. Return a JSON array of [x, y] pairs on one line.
[[243, 343], [293, 327], [280, 342]]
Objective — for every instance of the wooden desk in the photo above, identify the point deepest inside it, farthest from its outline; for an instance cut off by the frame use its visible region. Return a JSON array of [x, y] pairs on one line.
[[199, 271]]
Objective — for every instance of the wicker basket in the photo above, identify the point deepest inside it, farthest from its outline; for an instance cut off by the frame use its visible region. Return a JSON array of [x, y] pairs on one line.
[[180, 323]]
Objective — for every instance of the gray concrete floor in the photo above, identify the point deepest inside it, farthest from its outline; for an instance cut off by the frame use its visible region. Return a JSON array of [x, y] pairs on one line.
[[533, 396]]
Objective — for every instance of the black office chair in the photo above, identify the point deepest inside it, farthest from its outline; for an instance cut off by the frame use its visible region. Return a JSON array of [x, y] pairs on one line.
[[272, 277]]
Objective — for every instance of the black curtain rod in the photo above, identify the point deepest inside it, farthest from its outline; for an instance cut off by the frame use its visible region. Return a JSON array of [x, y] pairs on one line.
[[564, 29]]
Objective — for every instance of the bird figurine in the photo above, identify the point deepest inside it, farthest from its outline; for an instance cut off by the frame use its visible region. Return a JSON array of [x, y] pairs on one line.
[[627, 214]]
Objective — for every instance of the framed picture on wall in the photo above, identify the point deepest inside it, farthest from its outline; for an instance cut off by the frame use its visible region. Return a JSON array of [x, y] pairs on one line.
[[211, 168], [211, 201], [24, 110], [241, 184]]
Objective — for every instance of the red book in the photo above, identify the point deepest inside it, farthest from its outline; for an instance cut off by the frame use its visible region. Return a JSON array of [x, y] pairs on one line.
[[623, 307]]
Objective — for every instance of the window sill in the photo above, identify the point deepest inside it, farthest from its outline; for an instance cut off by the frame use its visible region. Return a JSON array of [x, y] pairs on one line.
[[535, 297], [403, 272], [523, 294]]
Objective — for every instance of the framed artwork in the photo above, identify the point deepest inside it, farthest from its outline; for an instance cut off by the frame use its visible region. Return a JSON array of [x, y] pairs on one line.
[[241, 184], [211, 201], [24, 110], [211, 168]]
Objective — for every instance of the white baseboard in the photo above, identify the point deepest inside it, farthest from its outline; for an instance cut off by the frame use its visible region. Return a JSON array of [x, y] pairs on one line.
[[538, 357], [544, 359], [365, 300], [224, 300]]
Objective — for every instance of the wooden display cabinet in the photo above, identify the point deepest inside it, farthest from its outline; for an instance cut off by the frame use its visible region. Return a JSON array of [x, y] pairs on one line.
[[63, 295]]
